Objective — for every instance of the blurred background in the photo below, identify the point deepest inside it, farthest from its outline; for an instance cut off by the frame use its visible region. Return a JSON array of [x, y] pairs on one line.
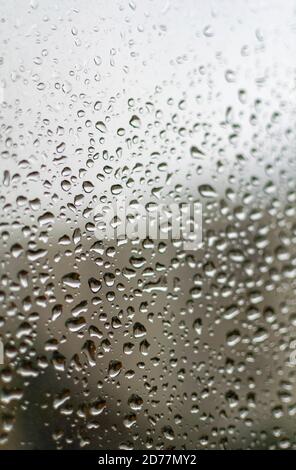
[[142, 344]]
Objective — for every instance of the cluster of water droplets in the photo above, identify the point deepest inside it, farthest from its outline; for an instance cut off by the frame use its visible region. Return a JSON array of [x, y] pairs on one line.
[[139, 343]]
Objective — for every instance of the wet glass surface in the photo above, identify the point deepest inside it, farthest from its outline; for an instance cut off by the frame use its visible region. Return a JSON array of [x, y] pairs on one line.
[[139, 343]]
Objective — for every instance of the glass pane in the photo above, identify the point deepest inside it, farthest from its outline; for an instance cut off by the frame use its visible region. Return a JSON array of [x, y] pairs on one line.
[[129, 132]]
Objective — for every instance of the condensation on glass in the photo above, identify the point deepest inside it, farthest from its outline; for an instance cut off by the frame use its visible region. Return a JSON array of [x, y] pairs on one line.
[[139, 342]]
